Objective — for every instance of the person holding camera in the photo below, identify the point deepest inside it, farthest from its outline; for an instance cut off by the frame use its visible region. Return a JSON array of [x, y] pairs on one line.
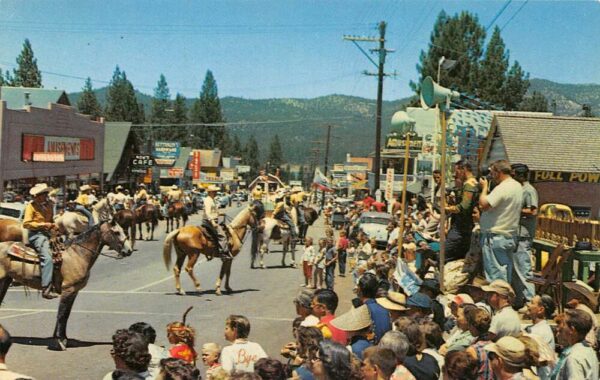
[[501, 212], [458, 239]]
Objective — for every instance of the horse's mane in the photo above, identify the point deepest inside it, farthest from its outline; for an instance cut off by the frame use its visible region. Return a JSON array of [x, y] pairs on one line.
[[242, 214], [83, 236]]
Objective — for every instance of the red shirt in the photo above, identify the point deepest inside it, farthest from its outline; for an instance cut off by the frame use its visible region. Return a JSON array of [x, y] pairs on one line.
[[368, 201], [378, 206], [337, 335], [183, 351], [342, 243]]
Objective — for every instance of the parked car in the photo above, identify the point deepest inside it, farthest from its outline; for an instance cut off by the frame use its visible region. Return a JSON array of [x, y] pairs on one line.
[[223, 201], [373, 224], [13, 211]]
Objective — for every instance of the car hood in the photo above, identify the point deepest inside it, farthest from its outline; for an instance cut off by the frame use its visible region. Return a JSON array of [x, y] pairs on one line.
[[378, 231]]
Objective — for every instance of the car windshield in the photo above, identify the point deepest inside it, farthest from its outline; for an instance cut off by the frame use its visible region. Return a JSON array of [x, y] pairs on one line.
[[10, 212], [375, 220]]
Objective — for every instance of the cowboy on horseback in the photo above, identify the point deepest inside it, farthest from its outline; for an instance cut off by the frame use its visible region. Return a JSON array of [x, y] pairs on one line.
[[211, 222], [118, 199], [38, 220], [280, 212], [84, 202], [141, 196], [174, 195], [297, 200]]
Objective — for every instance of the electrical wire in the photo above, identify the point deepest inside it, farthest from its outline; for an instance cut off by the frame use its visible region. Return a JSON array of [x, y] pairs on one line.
[[514, 15]]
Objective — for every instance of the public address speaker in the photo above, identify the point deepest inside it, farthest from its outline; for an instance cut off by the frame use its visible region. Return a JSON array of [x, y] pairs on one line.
[[433, 94]]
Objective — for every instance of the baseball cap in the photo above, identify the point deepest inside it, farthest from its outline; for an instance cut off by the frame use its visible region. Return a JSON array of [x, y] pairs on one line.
[[501, 287], [510, 349], [304, 298], [462, 299], [419, 300]]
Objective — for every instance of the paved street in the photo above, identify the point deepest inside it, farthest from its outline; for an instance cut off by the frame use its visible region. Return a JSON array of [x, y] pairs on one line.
[[139, 288]]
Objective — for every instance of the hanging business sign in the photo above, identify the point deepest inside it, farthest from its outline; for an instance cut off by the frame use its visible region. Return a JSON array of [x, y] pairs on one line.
[[243, 169], [389, 184], [142, 161], [195, 165], [166, 152], [398, 142], [171, 173]]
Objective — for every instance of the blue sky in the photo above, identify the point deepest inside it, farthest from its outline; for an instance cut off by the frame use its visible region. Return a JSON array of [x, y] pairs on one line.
[[268, 49]]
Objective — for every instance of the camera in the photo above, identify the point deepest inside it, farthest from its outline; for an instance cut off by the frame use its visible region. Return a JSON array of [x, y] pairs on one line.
[[487, 174]]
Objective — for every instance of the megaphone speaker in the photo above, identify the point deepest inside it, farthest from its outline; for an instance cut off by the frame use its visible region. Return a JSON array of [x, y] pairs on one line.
[[433, 94]]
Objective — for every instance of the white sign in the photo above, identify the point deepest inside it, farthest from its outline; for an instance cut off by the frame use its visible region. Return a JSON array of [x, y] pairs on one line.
[[243, 169], [389, 184], [295, 183], [70, 146], [49, 156]]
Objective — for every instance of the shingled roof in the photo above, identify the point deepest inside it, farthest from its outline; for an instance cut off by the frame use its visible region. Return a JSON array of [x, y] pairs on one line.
[[20, 97], [567, 144]]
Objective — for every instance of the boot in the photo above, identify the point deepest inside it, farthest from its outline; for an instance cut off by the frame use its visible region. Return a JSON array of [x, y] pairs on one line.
[[49, 293]]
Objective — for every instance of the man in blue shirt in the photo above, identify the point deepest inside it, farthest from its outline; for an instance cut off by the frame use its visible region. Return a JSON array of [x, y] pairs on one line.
[[331, 257], [367, 291]]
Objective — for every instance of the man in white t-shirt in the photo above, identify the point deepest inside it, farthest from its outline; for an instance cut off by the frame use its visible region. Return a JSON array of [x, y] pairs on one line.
[[499, 221], [506, 321]]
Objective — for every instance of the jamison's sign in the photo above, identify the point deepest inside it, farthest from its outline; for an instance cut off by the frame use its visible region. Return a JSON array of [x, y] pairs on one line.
[[554, 176], [73, 148]]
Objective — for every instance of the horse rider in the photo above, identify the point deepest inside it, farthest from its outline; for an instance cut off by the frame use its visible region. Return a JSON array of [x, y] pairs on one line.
[[83, 203], [141, 196], [119, 199], [280, 212], [297, 200], [38, 220], [257, 193], [174, 195], [211, 222]]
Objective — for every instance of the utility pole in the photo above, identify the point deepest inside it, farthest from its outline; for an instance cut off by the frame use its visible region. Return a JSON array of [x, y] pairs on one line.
[[382, 51], [326, 162]]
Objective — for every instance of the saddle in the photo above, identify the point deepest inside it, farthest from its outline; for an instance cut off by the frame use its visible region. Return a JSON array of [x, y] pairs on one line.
[[21, 253]]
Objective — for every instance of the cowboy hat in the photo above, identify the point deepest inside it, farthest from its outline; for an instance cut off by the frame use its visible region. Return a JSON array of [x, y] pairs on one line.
[[39, 188], [354, 320], [54, 192], [85, 187], [119, 187], [174, 187], [296, 189], [393, 301], [212, 188], [142, 185]]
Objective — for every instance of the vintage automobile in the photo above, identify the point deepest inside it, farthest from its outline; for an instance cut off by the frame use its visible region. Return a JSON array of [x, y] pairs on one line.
[[374, 224], [12, 210]]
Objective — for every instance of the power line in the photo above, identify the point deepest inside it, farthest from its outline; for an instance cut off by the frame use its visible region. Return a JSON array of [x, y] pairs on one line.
[[498, 15], [514, 15], [242, 123]]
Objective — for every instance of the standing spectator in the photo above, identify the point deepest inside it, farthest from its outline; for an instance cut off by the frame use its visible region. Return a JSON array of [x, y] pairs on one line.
[[506, 321], [499, 221], [178, 369], [333, 362], [508, 357], [342, 247], [577, 360], [458, 238], [157, 352], [437, 188], [181, 337], [242, 354], [5, 343], [130, 354], [367, 292], [211, 352], [331, 257], [319, 265], [307, 261], [522, 257], [379, 364], [357, 325], [398, 343], [324, 305]]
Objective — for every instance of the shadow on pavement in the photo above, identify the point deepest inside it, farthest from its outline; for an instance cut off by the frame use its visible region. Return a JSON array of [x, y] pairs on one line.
[[211, 292], [72, 343]]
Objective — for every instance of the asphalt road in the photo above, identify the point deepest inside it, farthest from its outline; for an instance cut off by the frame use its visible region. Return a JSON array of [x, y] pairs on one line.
[[139, 288]]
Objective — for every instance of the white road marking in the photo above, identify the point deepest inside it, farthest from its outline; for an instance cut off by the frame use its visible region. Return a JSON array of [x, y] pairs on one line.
[[20, 314], [115, 312], [164, 279]]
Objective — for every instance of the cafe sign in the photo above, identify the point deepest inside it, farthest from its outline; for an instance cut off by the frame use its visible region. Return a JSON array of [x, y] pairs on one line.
[[557, 176]]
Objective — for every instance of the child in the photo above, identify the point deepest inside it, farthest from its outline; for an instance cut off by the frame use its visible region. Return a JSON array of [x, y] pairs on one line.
[[181, 337], [307, 260], [319, 265], [342, 248], [242, 354], [210, 357], [351, 254]]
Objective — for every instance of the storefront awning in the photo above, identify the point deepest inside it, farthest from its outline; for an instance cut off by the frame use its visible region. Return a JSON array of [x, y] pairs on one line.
[[115, 138]]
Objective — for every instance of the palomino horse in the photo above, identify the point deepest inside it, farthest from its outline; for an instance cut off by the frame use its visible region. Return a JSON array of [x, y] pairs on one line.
[[268, 230], [191, 241], [147, 213], [10, 230], [77, 260], [176, 211]]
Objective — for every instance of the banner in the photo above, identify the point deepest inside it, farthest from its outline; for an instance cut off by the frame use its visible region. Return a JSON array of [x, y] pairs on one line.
[[321, 182], [195, 165], [389, 184], [556, 176]]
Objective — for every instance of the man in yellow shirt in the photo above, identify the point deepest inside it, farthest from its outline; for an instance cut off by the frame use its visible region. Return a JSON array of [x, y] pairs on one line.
[[140, 197], [38, 220], [257, 193], [82, 203], [297, 199], [281, 213]]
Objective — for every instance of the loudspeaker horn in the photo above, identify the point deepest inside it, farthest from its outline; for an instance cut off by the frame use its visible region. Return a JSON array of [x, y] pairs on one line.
[[433, 94]]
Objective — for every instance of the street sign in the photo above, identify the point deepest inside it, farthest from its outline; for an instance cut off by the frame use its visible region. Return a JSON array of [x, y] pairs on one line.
[[140, 161], [389, 184], [243, 169]]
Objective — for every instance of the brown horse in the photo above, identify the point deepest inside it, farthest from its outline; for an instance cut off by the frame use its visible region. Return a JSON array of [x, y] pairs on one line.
[[147, 213], [77, 260], [310, 216], [175, 211], [191, 241], [126, 219], [10, 230]]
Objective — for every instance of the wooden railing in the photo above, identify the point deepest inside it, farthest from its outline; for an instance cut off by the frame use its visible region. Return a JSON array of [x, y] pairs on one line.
[[568, 232]]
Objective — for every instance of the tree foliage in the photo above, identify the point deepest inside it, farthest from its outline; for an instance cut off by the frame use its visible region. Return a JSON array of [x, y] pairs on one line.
[[275, 153], [121, 104], [493, 70], [207, 109], [534, 103], [88, 103], [160, 102], [27, 73], [251, 156]]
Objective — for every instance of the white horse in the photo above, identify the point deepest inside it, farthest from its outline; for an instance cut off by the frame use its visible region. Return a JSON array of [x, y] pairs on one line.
[[269, 230], [73, 223]]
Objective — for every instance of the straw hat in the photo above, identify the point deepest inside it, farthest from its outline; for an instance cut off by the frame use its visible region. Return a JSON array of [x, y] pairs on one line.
[[501, 287], [142, 185], [85, 188], [39, 188], [119, 187], [393, 301], [212, 188], [353, 320], [174, 187]]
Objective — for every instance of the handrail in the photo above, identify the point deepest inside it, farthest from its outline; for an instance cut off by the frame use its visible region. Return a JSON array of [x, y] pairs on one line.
[[568, 232]]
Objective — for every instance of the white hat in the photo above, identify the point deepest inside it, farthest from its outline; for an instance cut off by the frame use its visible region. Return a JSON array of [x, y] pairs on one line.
[[212, 188], [258, 187], [174, 187], [353, 320], [85, 187], [296, 189], [39, 188], [119, 187]]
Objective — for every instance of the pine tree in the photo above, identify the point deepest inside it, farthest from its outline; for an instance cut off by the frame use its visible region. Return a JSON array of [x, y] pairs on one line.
[[275, 153], [27, 73], [237, 146], [534, 103], [207, 109], [8, 79], [161, 101], [88, 104], [1, 79], [251, 156], [515, 87], [493, 70], [226, 144], [121, 103], [179, 116]]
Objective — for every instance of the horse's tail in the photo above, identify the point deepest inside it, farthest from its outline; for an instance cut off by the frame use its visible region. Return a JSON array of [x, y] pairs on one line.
[[167, 245]]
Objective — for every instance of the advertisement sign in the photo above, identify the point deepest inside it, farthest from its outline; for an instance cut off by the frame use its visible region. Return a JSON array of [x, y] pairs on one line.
[[397, 142], [49, 156], [195, 165], [72, 148], [243, 169], [166, 152], [227, 174], [556, 176], [142, 161], [389, 184], [171, 173]]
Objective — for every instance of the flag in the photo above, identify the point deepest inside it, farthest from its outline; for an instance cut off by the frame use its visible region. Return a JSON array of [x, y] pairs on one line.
[[321, 182]]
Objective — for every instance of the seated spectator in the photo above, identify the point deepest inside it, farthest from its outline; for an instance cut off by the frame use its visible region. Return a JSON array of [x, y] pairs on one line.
[[333, 362], [307, 346], [241, 355], [577, 360], [270, 369], [5, 343], [421, 365], [178, 369], [459, 365], [479, 321], [130, 354], [378, 364], [477, 295], [324, 305], [367, 292], [432, 333], [394, 303], [506, 321], [462, 337], [157, 352], [578, 301], [540, 309], [357, 325], [289, 350], [431, 288], [181, 337], [398, 343], [303, 309], [508, 357], [419, 307], [211, 352]]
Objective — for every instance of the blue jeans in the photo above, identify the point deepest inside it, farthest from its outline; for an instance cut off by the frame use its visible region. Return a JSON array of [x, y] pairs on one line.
[[41, 243], [342, 260], [498, 251], [287, 220], [329, 276], [87, 213], [522, 270], [300, 213]]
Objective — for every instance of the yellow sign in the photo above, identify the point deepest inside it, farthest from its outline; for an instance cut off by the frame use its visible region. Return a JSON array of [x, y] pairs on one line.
[[556, 176]]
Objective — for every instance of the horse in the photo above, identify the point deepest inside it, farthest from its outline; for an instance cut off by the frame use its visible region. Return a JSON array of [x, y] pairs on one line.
[[10, 230], [268, 230], [147, 213], [126, 219], [310, 216], [78, 258], [72, 223], [191, 241], [176, 211]]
